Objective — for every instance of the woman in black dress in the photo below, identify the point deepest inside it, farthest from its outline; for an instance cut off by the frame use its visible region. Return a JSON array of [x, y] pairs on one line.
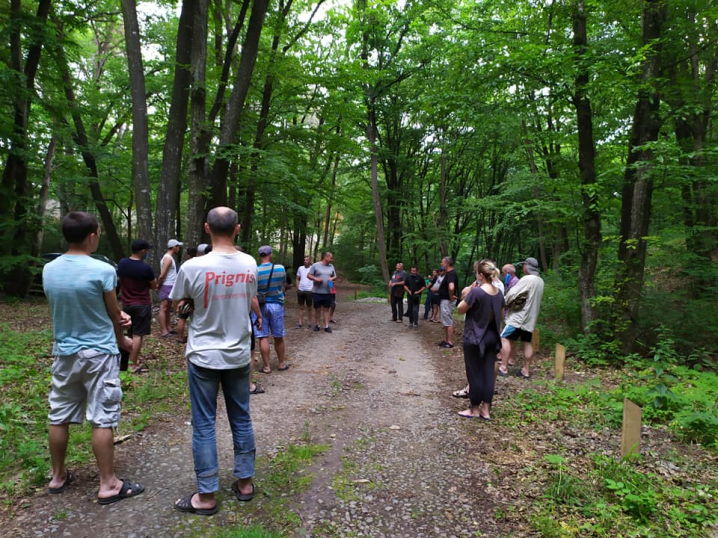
[[482, 303]]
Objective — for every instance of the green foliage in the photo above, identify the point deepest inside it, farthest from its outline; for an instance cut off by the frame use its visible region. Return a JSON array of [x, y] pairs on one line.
[[24, 383], [255, 531]]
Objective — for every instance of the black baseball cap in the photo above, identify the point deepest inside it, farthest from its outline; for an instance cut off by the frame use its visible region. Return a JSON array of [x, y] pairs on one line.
[[140, 244]]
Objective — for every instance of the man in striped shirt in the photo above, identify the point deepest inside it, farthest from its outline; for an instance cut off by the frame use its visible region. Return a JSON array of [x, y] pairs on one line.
[[270, 282]]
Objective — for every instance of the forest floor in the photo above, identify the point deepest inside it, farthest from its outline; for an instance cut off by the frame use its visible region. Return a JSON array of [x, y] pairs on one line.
[[360, 437]]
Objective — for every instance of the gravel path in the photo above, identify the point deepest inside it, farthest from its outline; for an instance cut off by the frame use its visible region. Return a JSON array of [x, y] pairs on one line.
[[399, 462]]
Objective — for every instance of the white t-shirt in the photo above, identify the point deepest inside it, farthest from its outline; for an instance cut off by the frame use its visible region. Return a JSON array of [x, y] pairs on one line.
[[304, 283], [220, 329]]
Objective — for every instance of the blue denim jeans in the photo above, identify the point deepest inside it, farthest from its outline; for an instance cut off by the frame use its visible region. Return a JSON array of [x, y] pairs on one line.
[[203, 389]]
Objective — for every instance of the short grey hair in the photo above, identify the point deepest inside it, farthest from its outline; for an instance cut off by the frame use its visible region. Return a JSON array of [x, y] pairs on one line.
[[222, 220]]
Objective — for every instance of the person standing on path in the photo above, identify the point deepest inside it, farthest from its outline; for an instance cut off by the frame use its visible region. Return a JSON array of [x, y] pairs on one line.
[[87, 328], [429, 294], [136, 281], [482, 303], [182, 317], [435, 302], [167, 278], [524, 304], [414, 285], [271, 279], [304, 292], [447, 298], [223, 288], [396, 285], [323, 275]]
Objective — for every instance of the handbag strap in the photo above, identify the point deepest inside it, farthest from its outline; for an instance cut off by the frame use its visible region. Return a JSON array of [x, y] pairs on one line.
[[269, 280]]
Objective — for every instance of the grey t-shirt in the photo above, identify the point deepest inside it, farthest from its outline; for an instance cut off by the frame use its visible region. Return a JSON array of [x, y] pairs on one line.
[[220, 329], [325, 272]]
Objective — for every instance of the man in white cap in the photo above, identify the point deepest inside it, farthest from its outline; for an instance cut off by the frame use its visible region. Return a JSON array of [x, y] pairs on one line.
[[524, 302], [167, 278]]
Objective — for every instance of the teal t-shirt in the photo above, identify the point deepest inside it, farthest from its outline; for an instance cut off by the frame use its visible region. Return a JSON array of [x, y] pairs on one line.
[[275, 293], [74, 286]]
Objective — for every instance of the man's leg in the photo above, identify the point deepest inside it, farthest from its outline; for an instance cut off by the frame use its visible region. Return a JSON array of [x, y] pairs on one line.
[[203, 389], [528, 357], [325, 311], [449, 334], [264, 351], [59, 436], [235, 386], [279, 348], [301, 312], [507, 352], [135, 353], [164, 317], [393, 308], [103, 445]]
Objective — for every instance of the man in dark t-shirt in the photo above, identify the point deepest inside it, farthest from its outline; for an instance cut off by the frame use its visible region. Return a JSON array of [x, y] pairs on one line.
[[396, 284], [414, 285], [447, 300], [136, 281]]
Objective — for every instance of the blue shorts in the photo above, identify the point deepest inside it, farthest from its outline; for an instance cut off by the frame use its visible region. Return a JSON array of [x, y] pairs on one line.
[[512, 333], [272, 321]]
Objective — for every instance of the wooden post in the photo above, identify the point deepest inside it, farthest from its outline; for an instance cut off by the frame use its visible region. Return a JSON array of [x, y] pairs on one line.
[[631, 432], [535, 340], [560, 360]]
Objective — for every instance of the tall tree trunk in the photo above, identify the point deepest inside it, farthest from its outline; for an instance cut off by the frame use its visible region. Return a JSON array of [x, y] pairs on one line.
[[14, 189], [79, 135], [539, 215], [168, 193], [36, 246], [230, 128], [197, 162], [586, 165], [638, 182], [140, 130], [371, 136]]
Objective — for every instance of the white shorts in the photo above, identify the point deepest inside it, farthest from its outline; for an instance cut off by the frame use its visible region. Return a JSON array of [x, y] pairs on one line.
[[86, 383]]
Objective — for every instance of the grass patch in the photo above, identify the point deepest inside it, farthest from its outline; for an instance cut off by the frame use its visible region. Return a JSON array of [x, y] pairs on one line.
[[25, 379], [255, 531], [283, 477]]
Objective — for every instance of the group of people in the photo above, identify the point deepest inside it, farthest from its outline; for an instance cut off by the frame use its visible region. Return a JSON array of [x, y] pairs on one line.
[[488, 348], [494, 299], [227, 299], [442, 288]]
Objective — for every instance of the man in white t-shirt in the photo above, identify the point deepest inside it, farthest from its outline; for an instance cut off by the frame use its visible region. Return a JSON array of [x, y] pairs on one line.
[[304, 292], [168, 275], [222, 285]]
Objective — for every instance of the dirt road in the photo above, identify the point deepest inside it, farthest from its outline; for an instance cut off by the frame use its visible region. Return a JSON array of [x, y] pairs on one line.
[[399, 461]]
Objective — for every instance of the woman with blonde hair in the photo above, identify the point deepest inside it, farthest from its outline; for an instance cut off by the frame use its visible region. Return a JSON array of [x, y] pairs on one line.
[[482, 303]]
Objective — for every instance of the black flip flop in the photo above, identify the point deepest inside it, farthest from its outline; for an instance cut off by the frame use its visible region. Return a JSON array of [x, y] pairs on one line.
[[127, 490], [69, 477], [286, 367], [241, 496], [185, 505]]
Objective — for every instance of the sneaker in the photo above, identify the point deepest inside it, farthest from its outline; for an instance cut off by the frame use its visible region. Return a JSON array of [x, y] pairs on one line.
[[447, 345], [316, 328], [327, 329], [299, 326]]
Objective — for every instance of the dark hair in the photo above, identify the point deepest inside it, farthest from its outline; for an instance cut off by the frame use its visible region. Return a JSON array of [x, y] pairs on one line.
[[222, 221], [78, 225], [191, 252]]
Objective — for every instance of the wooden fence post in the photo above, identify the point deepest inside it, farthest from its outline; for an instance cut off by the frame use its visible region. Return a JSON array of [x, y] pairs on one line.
[[559, 361], [631, 430]]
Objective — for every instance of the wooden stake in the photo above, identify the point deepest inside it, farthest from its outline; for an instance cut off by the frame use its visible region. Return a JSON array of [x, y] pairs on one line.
[[535, 340], [560, 360], [631, 432]]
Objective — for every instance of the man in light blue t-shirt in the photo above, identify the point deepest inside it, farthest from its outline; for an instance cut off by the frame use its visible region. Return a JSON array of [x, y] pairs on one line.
[[87, 327]]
